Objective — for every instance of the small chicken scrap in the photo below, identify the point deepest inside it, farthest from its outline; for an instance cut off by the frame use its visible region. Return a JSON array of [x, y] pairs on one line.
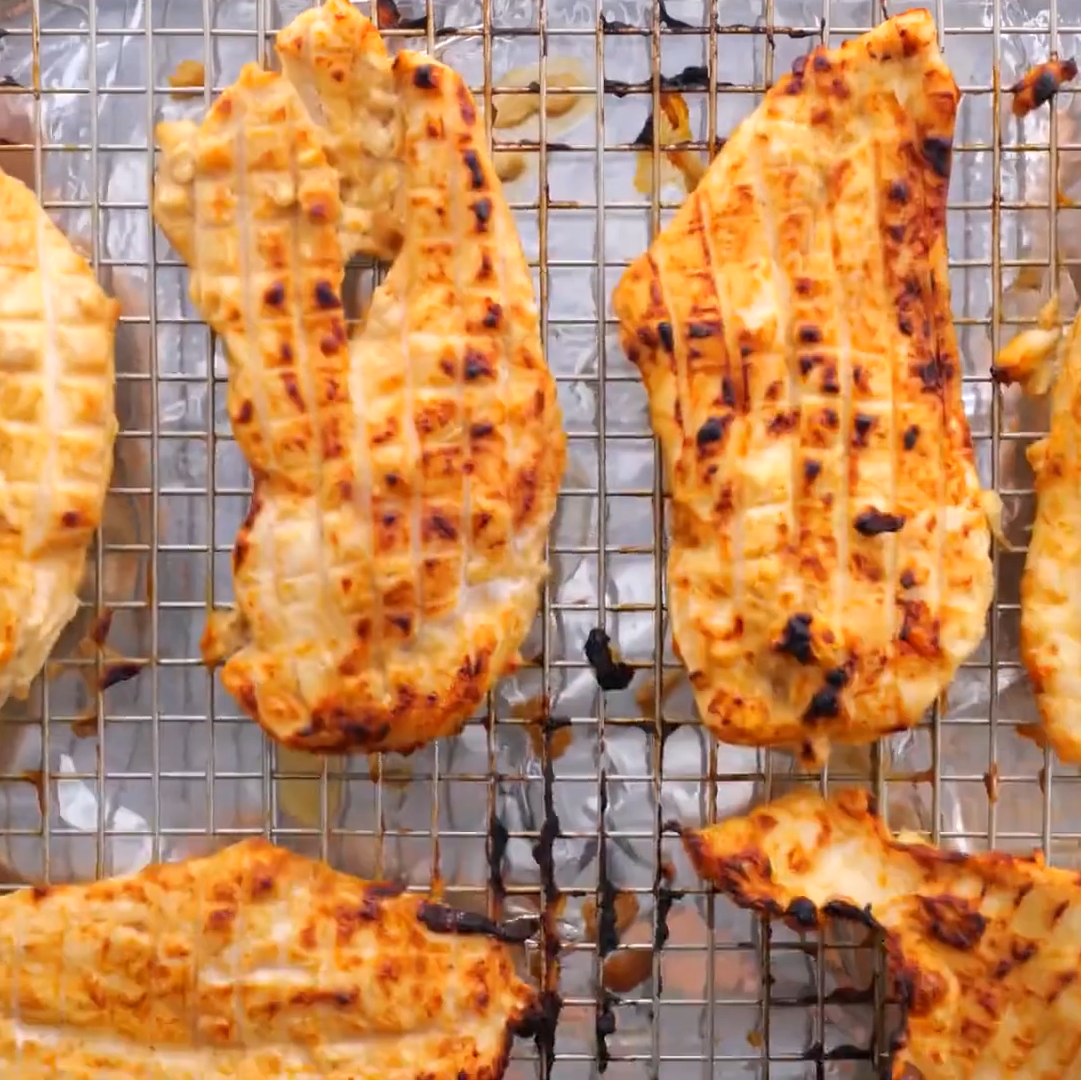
[[1029, 359], [982, 949], [830, 564], [391, 563], [1051, 583], [57, 429], [252, 962], [1040, 84]]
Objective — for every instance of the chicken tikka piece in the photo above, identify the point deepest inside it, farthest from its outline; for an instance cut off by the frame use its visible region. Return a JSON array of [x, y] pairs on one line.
[[57, 429], [404, 480], [1051, 582], [982, 949], [252, 962], [830, 562]]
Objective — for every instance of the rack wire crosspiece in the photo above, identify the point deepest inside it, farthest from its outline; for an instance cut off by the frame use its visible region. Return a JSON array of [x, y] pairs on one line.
[[602, 114]]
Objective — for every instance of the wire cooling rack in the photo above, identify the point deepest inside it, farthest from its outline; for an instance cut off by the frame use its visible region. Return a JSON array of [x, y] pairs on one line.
[[556, 798]]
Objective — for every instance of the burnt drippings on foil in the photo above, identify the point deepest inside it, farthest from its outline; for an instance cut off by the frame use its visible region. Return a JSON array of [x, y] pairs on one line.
[[667, 20], [670, 22], [692, 77], [441, 919], [544, 1034], [497, 848], [611, 672], [666, 897], [817, 1052]]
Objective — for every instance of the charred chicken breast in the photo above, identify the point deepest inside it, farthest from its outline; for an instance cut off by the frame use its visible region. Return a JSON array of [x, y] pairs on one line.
[[982, 949], [254, 962], [57, 429], [405, 479], [829, 566]]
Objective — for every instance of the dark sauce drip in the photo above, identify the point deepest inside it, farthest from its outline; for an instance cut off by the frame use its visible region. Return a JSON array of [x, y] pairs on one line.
[[692, 77], [544, 1028], [497, 847], [607, 934], [441, 919]]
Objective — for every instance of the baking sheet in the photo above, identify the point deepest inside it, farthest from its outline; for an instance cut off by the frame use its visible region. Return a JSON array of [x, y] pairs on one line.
[[162, 765]]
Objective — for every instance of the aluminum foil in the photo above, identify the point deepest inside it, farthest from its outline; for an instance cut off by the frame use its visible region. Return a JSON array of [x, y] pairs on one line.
[[162, 765]]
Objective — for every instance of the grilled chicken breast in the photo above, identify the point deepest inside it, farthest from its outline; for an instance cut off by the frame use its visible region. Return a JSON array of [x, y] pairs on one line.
[[57, 428], [391, 563], [829, 566], [254, 962], [982, 949], [1051, 583], [337, 61]]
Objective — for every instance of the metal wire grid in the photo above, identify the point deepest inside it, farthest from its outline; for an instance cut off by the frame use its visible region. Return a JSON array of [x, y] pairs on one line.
[[764, 27]]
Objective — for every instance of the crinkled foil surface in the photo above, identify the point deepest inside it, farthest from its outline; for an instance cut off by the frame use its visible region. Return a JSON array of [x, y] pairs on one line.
[[160, 765]]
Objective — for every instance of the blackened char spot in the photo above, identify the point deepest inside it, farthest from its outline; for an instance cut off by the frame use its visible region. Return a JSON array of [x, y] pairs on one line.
[[825, 704], [728, 392], [908, 579], [702, 329], [664, 332], [796, 638], [493, 315], [912, 433], [938, 153], [932, 374], [275, 294], [810, 334], [611, 673], [476, 174], [811, 469], [874, 522], [712, 430], [424, 77], [325, 296], [953, 922], [862, 425], [802, 911], [783, 422], [476, 365], [898, 192], [482, 211], [840, 910], [837, 678]]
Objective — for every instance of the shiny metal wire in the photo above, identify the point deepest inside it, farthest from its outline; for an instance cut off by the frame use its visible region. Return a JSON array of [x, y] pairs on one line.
[[232, 757]]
